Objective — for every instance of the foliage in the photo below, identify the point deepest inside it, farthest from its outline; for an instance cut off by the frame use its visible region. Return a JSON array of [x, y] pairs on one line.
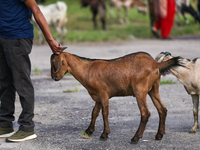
[[80, 26]]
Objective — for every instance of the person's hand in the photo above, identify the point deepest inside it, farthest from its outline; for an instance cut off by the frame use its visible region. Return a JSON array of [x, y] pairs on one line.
[[55, 47]]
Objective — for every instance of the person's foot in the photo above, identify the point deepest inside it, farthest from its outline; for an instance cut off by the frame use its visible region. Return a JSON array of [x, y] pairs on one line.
[[6, 132], [21, 136], [155, 33]]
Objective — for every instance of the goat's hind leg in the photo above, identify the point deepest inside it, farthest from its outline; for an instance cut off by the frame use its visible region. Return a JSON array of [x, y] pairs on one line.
[[95, 114], [195, 99], [162, 111], [145, 114]]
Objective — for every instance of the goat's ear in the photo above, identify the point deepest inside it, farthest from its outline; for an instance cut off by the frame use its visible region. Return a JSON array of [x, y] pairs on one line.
[[63, 47]]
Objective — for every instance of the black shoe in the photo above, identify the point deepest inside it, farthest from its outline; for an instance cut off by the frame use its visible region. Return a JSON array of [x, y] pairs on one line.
[[155, 33]]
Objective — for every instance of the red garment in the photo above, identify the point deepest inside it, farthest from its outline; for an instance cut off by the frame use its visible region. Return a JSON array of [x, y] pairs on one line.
[[165, 24]]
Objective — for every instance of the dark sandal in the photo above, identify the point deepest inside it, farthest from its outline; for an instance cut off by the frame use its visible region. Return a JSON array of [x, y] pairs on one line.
[[155, 33]]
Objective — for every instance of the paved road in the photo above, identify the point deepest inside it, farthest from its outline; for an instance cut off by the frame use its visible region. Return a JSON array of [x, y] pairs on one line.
[[61, 117]]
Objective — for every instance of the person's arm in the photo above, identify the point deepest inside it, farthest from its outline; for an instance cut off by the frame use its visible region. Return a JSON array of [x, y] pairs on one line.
[[41, 21]]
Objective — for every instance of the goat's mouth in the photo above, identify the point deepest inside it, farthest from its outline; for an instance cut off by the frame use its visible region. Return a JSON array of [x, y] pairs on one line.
[[55, 78]]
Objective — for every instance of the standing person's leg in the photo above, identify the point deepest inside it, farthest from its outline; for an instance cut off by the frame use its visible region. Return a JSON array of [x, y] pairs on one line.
[[166, 27], [17, 52], [156, 27], [168, 21], [7, 94]]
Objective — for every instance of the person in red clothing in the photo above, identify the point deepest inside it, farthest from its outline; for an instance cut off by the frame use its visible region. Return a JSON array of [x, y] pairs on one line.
[[165, 24]]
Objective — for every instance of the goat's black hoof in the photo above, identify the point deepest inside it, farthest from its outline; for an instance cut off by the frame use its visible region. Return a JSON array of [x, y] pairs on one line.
[[192, 132], [159, 136], [88, 132], [102, 138], [133, 141]]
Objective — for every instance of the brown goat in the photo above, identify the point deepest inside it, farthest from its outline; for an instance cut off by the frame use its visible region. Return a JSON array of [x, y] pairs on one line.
[[136, 74], [96, 7]]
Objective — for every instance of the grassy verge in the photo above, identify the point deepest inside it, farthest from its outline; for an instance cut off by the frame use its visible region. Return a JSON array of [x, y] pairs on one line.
[[80, 26], [167, 82]]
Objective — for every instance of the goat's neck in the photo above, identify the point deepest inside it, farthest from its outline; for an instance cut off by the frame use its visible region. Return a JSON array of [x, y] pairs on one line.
[[77, 67], [183, 73]]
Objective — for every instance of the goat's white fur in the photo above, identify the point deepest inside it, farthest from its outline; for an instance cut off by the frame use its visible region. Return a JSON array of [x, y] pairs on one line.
[[190, 77], [56, 16], [127, 4]]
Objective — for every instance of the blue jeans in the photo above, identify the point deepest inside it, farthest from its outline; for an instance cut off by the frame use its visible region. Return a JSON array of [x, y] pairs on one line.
[[15, 70]]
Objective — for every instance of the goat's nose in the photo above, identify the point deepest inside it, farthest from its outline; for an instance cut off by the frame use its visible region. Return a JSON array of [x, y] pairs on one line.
[[55, 78]]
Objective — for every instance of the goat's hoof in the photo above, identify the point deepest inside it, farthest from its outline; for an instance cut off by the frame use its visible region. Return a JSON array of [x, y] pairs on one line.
[[135, 140], [192, 131], [103, 138], [85, 135], [159, 136], [88, 132]]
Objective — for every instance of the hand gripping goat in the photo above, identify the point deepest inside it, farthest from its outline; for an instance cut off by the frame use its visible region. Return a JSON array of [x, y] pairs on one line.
[[136, 74]]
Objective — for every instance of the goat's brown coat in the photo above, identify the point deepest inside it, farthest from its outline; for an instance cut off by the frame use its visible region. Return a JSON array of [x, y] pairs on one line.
[[137, 74]]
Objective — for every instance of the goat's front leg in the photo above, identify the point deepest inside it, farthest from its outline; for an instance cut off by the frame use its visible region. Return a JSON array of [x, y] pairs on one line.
[[119, 15], [195, 99], [105, 113], [95, 114], [145, 114], [126, 13]]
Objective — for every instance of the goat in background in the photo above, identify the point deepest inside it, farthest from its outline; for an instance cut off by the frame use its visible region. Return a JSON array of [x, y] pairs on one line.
[[127, 4], [56, 16], [185, 6], [97, 7], [136, 74], [190, 77]]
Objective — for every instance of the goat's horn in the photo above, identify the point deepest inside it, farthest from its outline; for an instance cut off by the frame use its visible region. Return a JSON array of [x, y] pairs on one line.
[[161, 58], [63, 48]]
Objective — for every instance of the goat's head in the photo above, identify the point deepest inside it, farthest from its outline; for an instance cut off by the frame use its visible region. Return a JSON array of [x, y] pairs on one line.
[[85, 3], [142, 10], [59, 66], [163, 56]]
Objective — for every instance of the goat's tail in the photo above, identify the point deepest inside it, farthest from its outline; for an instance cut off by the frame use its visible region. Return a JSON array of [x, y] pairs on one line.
[[166, 66]]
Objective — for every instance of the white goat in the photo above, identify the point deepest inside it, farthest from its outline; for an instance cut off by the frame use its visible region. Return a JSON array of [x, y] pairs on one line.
[[56, 16], [190, 77], [127, 4]]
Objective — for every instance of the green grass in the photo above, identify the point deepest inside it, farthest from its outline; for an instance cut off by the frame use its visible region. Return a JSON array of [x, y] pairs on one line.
[[37, 71], [80, 26], [85, 135], [71, 90], [167, 82]]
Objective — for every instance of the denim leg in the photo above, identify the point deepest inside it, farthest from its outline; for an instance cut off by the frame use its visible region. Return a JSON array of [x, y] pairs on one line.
[[17, 55]]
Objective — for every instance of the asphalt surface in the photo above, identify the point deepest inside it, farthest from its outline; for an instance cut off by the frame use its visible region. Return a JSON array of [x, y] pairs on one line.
[[60, 116]]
